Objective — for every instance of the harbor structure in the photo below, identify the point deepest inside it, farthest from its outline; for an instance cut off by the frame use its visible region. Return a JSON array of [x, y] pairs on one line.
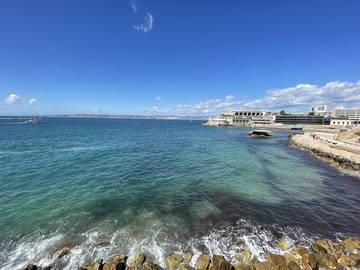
[[240, 117]]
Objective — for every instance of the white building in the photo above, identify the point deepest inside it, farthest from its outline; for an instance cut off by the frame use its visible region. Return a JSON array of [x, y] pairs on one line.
[[319, 110], [238, 117], [350, 113]]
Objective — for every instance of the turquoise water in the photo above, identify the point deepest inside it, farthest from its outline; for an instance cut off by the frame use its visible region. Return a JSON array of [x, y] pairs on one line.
[[159, 187]]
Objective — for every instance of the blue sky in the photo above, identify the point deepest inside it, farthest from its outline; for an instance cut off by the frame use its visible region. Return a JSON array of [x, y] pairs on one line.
[[177, 56]]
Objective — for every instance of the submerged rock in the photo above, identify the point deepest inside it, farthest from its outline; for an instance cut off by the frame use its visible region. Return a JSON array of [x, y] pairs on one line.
[[188, 257], [246, 255], [31, 267], [62, 252], [284, 245]]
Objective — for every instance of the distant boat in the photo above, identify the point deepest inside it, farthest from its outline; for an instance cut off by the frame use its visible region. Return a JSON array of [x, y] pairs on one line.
[[261, 133]]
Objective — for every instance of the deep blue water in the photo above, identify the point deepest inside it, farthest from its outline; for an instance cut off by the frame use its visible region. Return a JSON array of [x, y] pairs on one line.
[[160, 186]]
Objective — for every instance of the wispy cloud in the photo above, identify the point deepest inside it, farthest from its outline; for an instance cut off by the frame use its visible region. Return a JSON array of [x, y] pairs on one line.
[[133, 5], [211, 106], [147, 25], [13, 99], [158, 98], [32, 101], [302, 96]]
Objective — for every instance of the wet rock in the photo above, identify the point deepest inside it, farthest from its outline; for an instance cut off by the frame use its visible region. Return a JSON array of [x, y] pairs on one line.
[[188, 257], [62, 252], [219, 263], [329, 261], [31, 267], [284, 245], [246, 255], [147, 265], [203, 262], [185, 267], [263, 266], [278, 262], [174, 261], [351, 244], [98, 265], [349, 260], [243, 266], [293, 266], [117, 262], [319, 249], [138, 259]]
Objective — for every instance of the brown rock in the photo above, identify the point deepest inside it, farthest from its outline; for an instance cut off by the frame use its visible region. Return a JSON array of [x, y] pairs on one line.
[[246, 255], [351, 243], [147, 265], [98, 265], [139, 259], [278, 262], [242, 266], [350, 260], [174, 261], [219, 263], [203, 262], [62, 252], [319, 249], [185, 267], [329, 261], [293, 266], [117, 262], [103, 244], [301, 250], [263, 266]]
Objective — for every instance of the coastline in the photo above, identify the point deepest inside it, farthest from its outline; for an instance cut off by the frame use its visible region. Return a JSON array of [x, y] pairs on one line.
[[323, 254], [345, 159]]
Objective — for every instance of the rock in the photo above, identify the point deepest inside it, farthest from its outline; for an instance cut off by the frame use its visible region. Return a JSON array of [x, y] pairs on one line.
[[117, 262], [98, 265], [293, 266], [138, 259], [147, 265], [263, 266], [188, 257], [246, 255], [185, 267], [237, 257], [278, 262], [174, 261], [219, 263], [351, 243], [284, 245], [31, 267], [242, 266], [319, 249], [329, 261], [350, 260], [203, 262], [62, 252]]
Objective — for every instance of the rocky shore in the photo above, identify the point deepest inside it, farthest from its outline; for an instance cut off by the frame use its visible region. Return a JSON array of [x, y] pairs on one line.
[[342, 158], [323, 255]]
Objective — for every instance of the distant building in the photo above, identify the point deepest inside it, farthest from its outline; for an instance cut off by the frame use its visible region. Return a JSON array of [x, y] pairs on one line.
[[350, 113], [295, 119], [237, 117], [319, 110], [344, 122]]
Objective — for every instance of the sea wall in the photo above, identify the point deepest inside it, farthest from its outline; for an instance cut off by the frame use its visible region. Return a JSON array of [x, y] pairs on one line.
[[323, 255], [342, 159]]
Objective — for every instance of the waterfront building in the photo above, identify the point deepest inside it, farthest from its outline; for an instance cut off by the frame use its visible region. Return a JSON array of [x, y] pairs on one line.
[[350, 113], [295, 119], [344, 122], [237, 117]]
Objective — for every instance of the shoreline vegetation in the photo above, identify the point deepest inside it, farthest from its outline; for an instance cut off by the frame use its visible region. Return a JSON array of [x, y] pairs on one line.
[[322, 255]]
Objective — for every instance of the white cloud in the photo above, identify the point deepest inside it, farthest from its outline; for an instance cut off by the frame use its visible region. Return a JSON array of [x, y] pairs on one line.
[[133, 5], [32, 100], [147, 25], [158, 98], [212, 106], [302, 96], [13, 99]]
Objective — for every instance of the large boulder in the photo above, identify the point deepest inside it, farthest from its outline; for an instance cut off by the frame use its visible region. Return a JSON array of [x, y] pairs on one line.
[[203, 262], [30, 267], [293, 266], [284, 245], [139, 262], [351, 244], [262, 266], [62, 252], [329, 261], [185, 267], [243, 266], [98, 265], [278, 262], [219, 263], [174, 261], [117, 262], [246, 256], [349, 260]]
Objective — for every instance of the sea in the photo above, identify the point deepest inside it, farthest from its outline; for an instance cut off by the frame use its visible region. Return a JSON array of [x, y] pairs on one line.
[[111, 186]]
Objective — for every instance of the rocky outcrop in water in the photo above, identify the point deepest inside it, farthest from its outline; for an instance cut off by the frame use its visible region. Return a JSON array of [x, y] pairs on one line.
[[323, 255]]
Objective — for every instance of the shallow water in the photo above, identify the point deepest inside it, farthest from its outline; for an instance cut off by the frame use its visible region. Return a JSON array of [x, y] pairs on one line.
[[161, 186]]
